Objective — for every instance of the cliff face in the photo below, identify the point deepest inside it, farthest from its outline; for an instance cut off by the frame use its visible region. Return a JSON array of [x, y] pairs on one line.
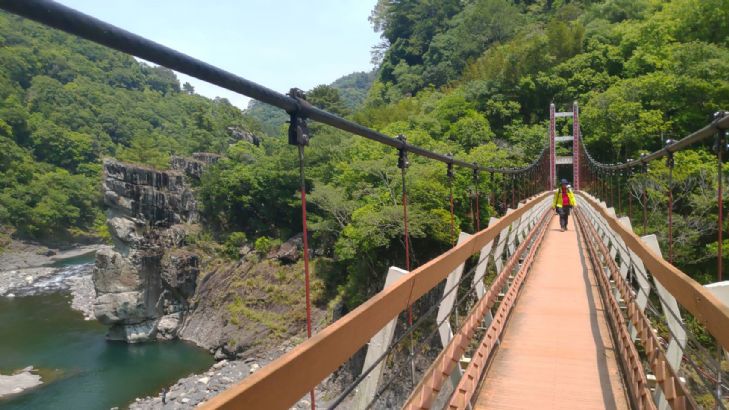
[[143, 282]]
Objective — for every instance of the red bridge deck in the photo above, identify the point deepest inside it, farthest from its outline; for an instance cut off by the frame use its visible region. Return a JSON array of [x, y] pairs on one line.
[[556, 352]]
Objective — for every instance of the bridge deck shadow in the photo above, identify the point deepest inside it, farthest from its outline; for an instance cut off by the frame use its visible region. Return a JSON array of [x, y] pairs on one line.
[[556, 352]]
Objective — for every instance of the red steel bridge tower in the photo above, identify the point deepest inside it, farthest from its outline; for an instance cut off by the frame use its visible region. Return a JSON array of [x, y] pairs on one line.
[[574, 160]]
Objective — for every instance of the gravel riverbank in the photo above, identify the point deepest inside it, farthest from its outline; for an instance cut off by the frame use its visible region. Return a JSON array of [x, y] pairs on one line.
[[18, 279], [190, 391], [19, 382], [24, 255]]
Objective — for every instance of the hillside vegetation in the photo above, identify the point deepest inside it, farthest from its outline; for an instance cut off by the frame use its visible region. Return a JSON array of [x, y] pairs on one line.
[[473, 78], [66, 103], [351, 89]]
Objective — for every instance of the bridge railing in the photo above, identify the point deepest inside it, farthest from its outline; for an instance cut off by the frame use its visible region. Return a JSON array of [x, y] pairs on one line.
[[309, 363], [675, 292], [654, 299]]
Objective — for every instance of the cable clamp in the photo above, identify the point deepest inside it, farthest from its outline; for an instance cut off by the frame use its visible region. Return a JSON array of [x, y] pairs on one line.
[[449, 171], [670, 162], [298, 128], [402, 158], [721, 133]]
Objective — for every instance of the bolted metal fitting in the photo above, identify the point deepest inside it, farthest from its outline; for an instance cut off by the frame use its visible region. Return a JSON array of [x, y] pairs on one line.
[[298, 128], [449, 171], [720, 134], [670, 162], [402, 157]]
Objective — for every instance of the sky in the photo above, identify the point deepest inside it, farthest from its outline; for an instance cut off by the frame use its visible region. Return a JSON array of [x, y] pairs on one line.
[[277, 43]]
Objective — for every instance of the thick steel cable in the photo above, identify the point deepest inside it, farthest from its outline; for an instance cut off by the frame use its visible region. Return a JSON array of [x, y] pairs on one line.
[[306, 255]]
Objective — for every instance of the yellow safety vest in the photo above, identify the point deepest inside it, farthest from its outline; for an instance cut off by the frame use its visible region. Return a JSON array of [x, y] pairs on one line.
[[557, 201]]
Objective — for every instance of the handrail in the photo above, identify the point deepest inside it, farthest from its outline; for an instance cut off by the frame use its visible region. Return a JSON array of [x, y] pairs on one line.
[[64, 18], [302, 368], [633, 371], [701, 303], [424, 393]]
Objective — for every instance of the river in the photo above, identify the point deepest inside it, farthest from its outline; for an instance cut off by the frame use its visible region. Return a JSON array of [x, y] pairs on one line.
[[80, 369]]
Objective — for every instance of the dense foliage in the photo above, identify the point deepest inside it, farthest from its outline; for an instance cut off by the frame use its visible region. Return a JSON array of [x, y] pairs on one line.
[[66, 103], [473, 78], [643, 71], [350, 90]]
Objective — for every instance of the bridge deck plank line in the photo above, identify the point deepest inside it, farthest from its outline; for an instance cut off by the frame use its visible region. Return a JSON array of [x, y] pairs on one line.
[[556, 352]]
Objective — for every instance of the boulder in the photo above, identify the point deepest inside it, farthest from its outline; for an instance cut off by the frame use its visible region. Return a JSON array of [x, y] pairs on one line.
[[121, 308], [244, 250], [167, 326], [289, 251], [180, 271], [124, 229], [137, 333], [113, 273], [239, 134], [195, 166]]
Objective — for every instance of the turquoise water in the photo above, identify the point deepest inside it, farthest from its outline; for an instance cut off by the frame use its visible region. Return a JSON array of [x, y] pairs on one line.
[[87, 371]]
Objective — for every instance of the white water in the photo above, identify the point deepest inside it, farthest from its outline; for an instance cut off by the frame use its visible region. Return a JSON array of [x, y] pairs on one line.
[[60, 280]]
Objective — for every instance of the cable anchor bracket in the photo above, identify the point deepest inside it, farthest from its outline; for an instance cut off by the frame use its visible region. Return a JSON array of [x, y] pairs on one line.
[[298, 128], [402, 156]]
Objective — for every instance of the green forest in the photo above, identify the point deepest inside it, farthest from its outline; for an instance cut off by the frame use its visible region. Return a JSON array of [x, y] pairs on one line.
[[473, 78]]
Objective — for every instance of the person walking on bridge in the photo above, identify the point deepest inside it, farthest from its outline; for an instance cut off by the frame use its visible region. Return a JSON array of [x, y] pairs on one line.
[[564, 200]]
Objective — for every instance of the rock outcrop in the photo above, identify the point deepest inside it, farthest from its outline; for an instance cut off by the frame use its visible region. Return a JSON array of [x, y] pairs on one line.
[[194, 167], [144, 280], [145, 195], [239, 134], [290, 251]]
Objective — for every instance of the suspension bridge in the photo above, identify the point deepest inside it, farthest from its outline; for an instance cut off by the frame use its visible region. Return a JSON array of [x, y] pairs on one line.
[[519, 314]]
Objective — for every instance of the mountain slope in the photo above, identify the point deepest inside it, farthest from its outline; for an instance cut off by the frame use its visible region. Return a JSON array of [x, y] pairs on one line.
[[65, 104]]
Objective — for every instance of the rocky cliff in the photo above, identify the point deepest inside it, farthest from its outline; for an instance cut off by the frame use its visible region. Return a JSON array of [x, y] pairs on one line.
[[143, 282]]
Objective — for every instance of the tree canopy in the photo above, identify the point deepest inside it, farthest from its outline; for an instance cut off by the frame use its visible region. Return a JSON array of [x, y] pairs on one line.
[[473, 78]]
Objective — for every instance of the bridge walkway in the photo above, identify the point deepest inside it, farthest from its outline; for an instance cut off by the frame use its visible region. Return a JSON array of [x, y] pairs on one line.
[[556, 352]]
